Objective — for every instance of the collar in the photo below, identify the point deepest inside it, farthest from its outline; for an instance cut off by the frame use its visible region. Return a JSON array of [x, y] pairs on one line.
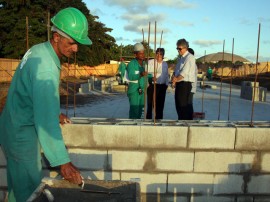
[[53, 54]]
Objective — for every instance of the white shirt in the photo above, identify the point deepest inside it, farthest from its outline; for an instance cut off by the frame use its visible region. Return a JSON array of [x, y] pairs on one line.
[[161, 71], [186, 67]]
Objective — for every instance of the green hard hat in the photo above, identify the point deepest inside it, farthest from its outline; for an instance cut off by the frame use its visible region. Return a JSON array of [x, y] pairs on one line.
[[72, 22]]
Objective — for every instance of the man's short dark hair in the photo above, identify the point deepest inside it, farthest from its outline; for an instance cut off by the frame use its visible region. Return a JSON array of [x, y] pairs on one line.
[[182, 42], [190, 50]]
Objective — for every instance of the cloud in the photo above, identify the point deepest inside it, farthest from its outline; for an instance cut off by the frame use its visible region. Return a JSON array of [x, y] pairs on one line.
[[206, 19], [266, 42], [245, 21], [143, 6], [186, 24], [207, 43], [97, 12]]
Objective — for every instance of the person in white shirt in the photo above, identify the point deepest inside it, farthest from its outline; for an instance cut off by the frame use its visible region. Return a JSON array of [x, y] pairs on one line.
[[184, 76], [158, 69], [194, 86]]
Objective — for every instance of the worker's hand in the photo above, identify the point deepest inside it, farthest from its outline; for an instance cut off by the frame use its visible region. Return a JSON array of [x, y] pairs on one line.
[[63, 119], [71, 173], [144, 73]]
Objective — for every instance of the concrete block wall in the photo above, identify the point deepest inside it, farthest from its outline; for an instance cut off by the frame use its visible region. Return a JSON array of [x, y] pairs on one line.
[[172, 160], [248, 93]]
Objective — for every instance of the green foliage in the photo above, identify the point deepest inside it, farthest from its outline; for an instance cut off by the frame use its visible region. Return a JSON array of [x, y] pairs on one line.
[[13, 30]]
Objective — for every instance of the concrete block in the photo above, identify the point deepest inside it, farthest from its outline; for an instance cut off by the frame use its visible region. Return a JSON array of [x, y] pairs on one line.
[[101, 175], [252, 138], [116, 136], [130, 160], [163, 198], [220, 162], [174, 161], [89, 159], [228, 184], [190, 183], [211, 137], [149, 183], [259, 184], [163, 137], [265, 162], [3, 177], [3, 161], [245, 199], [78, 135], [210, 198], [261, 199]]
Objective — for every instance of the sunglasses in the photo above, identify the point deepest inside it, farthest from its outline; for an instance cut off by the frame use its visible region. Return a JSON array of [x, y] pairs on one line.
[[179, 49]]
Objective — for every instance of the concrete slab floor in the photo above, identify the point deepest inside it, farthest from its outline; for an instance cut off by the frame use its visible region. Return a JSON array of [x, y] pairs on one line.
[[208, 101]]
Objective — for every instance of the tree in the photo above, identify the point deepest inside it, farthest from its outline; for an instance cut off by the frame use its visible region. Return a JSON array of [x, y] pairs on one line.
[[13, 29]]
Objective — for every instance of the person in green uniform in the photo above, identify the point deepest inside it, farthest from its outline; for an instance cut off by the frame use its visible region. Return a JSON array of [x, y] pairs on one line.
[[209, 73], [136, 75], [121, 69], [30, 119]]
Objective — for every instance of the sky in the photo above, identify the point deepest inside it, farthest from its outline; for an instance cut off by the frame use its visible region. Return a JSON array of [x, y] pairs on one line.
[[205, 24]]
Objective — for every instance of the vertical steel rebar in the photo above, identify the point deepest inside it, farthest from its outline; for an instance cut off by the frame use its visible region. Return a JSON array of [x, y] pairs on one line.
[[230, 95], [48, 26], [155, 75], [203, 82], [221, 79], [256, 76], [146, 77], [27, 37]]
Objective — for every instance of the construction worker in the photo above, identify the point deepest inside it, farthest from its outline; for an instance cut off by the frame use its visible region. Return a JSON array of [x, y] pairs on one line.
[[30, 119], [121, 69], [136, 73], [209, 73]]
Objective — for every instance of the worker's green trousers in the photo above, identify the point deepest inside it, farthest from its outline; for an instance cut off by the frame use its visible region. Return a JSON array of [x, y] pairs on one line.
[[23, 178], [136, 103]]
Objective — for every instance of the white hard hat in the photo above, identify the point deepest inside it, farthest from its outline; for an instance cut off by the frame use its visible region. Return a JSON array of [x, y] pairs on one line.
[[138, 47]]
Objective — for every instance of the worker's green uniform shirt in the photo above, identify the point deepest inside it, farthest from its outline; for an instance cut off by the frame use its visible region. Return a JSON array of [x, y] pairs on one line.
[[31, 113], [122, 69], [136, 100]]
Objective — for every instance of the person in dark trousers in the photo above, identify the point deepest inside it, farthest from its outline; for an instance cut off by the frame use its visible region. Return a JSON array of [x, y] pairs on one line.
[[184, 76], [159, 67], [194, 87], [31, 116]]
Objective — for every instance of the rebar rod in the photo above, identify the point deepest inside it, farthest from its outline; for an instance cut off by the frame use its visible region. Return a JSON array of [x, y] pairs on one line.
[[221, 79]]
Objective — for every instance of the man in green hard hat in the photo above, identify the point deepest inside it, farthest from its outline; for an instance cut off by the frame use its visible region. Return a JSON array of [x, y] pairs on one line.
[[31, 116]]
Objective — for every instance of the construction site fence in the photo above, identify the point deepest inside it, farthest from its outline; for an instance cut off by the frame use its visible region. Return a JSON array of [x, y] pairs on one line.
[[8, 67]]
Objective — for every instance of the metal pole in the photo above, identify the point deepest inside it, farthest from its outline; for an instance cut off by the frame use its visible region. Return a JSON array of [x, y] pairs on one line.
[[230, 95], [143, 35], [48, 26], [27, 43], [203, 82], [155, 76], [256, 76], [222, 64], [145, 82]]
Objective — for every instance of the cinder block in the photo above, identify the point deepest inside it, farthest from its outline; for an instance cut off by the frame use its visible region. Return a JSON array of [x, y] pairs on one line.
[[211, 198], [89, 159], [149, 183], [163, 137], [3, 161], [191, 183], [245, 199], [265, 162], [261, 199], [252, 138], [163, 198], [3, 177], [174, 161], [78, 135], [131, 160], [100, 175], [228, 184], [220, 162], [211, 137], [259, 184], [116, 136]]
